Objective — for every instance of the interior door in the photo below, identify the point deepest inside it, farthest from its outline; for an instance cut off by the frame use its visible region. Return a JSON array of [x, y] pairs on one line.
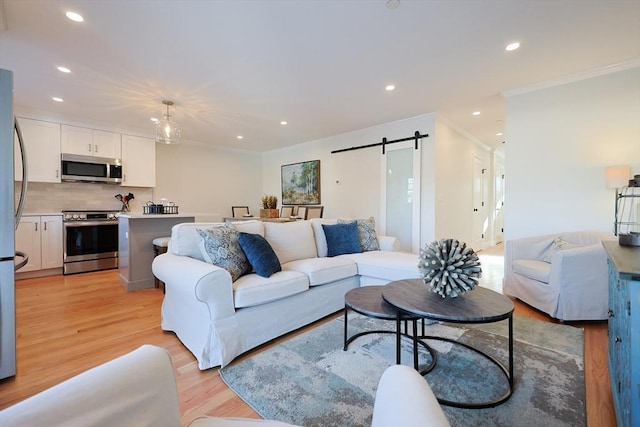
[[498, 223], [480, 221], [400, 212]]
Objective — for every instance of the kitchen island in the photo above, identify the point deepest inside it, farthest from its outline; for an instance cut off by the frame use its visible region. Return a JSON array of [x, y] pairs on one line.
[[135, 245]]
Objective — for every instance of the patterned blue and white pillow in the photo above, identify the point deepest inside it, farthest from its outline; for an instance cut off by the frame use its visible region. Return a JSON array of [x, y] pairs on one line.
[[220, 247]]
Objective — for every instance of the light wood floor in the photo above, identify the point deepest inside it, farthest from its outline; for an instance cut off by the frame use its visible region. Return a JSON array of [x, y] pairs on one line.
[[68, 324]]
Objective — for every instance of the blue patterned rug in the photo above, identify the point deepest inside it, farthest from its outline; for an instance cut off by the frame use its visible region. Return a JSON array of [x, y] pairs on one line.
[[310, 381]]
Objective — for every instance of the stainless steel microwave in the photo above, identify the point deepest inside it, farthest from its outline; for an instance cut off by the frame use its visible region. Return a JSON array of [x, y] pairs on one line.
[[76, 168]]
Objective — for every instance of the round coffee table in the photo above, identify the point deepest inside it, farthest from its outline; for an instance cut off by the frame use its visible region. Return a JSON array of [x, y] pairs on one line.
[[481, 305], [368, 301]]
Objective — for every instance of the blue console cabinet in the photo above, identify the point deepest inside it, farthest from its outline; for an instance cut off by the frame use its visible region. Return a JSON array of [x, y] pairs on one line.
[[624, 331]]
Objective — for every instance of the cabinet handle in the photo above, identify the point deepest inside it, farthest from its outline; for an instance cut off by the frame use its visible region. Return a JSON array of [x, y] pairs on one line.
[[89, 147], [610, 312], [45, 226], [57, 173], [96, 148], [36, 224], [124, 177], [617, 339]]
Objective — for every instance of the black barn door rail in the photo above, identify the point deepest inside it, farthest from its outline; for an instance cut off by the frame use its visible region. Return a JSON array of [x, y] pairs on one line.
[[416, 137]]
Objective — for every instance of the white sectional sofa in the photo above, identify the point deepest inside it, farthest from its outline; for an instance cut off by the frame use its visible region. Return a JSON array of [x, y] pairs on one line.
[[218, 319]]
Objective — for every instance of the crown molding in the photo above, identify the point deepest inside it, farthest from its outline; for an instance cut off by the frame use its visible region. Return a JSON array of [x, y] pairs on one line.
[[596, 72]]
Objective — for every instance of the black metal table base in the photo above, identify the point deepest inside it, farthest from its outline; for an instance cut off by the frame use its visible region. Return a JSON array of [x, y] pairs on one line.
[[508, 373], [399, 334]]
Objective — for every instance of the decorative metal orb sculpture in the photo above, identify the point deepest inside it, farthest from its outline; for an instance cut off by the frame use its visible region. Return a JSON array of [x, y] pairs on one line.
[[449, 267]]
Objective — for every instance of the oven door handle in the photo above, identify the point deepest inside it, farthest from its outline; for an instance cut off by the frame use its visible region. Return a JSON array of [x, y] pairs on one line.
[[71, 224]]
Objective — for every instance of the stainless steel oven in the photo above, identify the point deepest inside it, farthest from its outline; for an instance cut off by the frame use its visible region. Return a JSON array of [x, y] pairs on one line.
[[90, 241]]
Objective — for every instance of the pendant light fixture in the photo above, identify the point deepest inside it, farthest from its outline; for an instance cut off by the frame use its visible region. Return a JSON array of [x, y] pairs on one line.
[[167, 131]]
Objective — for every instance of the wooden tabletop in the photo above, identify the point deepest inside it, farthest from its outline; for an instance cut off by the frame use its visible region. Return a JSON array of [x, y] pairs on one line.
[[480, 305], [368, 300]]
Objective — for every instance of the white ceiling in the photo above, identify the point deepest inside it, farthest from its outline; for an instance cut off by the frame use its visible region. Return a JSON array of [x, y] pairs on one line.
[[240, 67]]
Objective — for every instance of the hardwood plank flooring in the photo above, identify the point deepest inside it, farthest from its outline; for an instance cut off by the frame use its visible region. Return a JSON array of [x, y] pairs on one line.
[[68, 324]]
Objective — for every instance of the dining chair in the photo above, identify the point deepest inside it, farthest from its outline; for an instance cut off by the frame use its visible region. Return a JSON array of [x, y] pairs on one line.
[[314, 212], [302, 212], [239, 211], [286, 211]]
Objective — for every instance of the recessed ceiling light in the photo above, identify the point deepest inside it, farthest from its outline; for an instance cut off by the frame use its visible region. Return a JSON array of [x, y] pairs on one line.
[[476, 113], [393, 4], [499, 134], [154, 119], [57, 99], [76, 17], [283, 123], [512, 46], [240, 137], [389, 88], [64, 69]]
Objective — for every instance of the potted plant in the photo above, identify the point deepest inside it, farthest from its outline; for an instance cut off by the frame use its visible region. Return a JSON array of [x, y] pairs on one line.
[[269, 207]]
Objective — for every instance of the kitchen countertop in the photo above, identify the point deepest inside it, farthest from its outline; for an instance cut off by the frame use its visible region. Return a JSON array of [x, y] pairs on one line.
[[150, 216], [41, 213]]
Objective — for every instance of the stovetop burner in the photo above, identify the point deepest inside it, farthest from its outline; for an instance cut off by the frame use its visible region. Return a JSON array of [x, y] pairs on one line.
[[90, 215]]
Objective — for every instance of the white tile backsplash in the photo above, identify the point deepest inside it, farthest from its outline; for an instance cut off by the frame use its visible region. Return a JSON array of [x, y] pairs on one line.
[[46, 197]]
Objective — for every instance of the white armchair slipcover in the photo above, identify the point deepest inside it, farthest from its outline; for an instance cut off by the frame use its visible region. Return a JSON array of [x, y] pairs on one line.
[[563, 275]]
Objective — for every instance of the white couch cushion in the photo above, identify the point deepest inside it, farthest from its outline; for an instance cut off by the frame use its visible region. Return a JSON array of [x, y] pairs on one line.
[[318, 234], [536, 270], [252, 226], [323, 270], [386, 265], [252, 289], [291, 240], [185, 240]]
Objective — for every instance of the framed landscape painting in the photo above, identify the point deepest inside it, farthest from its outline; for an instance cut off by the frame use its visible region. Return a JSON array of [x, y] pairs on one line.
[[301, 183]]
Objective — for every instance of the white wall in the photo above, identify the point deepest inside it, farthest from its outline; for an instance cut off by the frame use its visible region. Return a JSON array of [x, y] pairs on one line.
[[455, 153], [559, 140], [357, 195], [207, 181], [447, 162]]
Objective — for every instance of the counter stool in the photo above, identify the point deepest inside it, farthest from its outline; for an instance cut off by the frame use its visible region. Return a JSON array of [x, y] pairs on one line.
[[160, 245]]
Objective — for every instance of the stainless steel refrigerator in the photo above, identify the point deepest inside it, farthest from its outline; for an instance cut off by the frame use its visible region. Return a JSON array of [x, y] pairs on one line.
[[10, 260]]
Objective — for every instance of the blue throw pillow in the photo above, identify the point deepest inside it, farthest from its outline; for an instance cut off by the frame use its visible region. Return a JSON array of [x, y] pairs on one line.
[[259, 253], [342, 238]]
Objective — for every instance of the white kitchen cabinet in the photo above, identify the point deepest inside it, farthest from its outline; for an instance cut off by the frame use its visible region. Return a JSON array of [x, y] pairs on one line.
[[42, 144], [40, 237], [90, 142], [138, 161]]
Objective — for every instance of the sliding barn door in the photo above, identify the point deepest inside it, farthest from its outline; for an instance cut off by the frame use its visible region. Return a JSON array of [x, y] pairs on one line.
[[400, 210]]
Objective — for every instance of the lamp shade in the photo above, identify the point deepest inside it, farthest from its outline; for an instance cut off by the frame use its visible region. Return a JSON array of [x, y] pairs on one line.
[[167, 131], [617, 176]]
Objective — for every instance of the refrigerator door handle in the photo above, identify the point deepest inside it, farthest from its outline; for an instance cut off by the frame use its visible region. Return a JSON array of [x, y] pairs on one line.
[[23, 190], [25, 260]]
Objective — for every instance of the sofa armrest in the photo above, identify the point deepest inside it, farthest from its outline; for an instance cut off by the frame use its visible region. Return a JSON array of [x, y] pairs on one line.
[[404, 398], [534, 248], [185, 277], [580, 277], [136, 389], [389, 243]]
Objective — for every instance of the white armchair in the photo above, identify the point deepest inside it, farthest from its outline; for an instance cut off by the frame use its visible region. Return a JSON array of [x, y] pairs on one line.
[[563, 275]]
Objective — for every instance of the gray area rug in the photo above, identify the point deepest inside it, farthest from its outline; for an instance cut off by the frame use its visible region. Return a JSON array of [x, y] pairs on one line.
[[310, 381]]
